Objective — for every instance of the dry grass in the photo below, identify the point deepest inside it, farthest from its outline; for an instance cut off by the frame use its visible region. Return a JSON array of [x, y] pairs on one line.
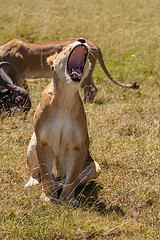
[[124, 125]]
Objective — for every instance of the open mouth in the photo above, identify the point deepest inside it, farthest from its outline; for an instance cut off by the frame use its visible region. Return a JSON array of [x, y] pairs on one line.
[[76, 62]]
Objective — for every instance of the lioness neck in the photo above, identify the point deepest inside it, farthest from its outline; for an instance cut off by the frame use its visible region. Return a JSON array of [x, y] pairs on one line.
[[65, 93]]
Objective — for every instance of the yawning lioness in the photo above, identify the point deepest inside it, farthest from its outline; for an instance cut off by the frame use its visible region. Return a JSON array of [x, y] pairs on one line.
[[59, 148], [28, 61]]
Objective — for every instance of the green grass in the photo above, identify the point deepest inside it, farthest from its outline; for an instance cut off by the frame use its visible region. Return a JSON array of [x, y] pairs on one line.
[[123, 125]]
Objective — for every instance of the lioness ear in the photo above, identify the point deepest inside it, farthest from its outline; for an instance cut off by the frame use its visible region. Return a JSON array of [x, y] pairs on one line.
[[50, 60]]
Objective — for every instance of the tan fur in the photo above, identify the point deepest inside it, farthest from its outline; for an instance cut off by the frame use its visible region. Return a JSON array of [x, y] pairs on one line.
[[59, 148]]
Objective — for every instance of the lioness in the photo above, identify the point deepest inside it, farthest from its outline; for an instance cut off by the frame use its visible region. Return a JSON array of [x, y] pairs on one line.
[[29, 62], [59, 148]]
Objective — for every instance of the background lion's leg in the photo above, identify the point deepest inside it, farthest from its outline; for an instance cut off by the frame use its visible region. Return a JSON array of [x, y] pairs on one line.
[[89, 88], [88, 84], [93, 92]]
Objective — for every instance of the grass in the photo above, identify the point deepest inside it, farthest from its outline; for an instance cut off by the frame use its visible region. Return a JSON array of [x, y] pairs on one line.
[[123, 125]]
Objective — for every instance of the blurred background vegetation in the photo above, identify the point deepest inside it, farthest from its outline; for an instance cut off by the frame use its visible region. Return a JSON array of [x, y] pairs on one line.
[[124, 125]]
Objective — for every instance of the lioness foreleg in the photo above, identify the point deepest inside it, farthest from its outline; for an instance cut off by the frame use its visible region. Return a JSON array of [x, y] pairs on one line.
[[89, 172], [33, 164], [45, 159], [74, 167]]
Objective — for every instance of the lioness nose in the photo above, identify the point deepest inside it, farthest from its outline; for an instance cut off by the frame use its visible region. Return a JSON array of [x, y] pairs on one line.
[[81, 40]]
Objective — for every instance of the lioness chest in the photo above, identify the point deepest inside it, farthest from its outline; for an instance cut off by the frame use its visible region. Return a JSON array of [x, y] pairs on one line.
[[63, 136]]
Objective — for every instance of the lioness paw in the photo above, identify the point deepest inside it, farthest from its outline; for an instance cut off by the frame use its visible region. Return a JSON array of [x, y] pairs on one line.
[[32, 182]]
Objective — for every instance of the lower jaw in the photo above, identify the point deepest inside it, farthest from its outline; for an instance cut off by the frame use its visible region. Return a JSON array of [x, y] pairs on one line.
[[75, 79]]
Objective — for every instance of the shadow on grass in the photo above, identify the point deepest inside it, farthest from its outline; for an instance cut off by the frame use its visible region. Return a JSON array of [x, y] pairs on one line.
[[98, 102], [88, 198]]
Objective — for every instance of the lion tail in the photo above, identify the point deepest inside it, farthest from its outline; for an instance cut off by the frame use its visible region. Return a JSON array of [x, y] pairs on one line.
[[101, 61]]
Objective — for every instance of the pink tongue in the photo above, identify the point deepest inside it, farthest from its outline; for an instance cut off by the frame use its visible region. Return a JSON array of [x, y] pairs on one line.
[[77, 72]]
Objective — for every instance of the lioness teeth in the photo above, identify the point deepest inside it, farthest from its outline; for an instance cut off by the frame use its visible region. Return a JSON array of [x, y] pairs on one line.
[[77, 73]]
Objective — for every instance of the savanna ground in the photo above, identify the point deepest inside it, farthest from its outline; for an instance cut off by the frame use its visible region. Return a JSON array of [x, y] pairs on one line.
[[124, 125]]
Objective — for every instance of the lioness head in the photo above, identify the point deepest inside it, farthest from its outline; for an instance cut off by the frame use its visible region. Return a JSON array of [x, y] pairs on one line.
[[72, 63]]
